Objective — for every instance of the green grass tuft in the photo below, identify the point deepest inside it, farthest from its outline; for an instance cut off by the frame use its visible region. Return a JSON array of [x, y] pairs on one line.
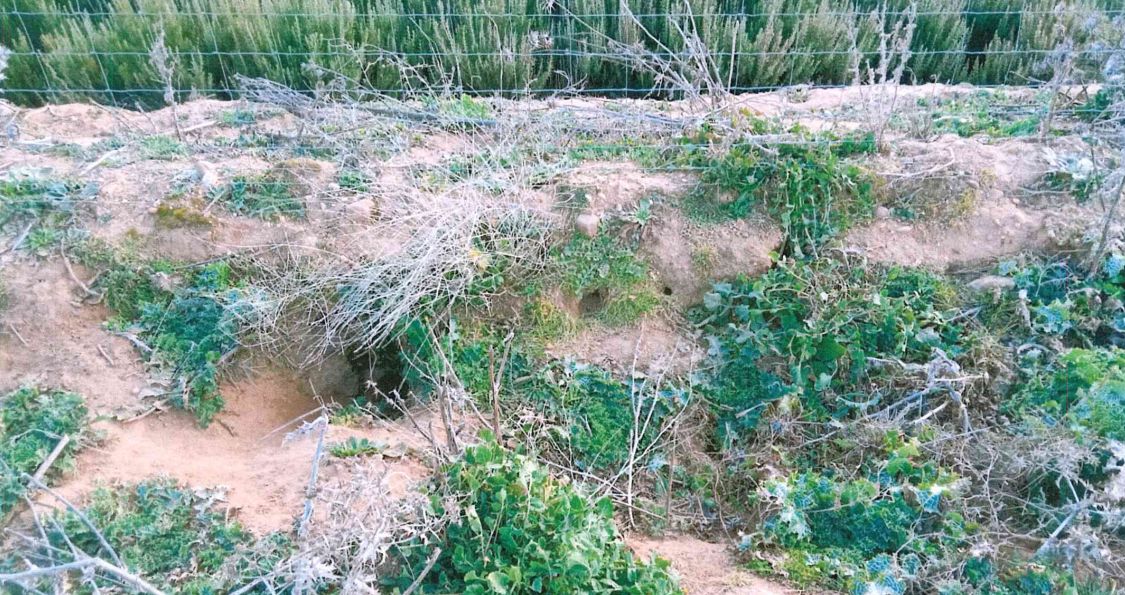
[[162, 148], [265, 197]]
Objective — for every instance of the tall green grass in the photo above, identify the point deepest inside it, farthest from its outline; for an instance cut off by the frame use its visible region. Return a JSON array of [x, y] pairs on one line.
[[99, 49]]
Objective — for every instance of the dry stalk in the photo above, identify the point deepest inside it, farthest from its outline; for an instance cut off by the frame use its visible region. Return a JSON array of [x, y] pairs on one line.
[[878, 84]]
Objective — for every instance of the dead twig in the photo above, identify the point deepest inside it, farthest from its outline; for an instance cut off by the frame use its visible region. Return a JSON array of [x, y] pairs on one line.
[[135, 340], [16, 332], [425, 570], [70, 271], [104, 354], [100, 160], [50, 460], [21, 236], [118, 571]]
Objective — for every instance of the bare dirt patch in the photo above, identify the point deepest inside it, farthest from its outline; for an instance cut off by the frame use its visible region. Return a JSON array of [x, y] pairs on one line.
[[247, 453], [654, 346], [615, 185], [688, 257], [705, 568], [980, 193], [50, 339]]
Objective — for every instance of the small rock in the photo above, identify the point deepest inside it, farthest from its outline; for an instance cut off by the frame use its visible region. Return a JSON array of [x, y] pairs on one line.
[[587, 224], [164, 281], [361, 210], [882, 213], [208, 175], [992, 283]]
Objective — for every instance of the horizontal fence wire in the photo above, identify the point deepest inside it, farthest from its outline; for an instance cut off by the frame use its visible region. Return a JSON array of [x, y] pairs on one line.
[[548, 53], [494, 15]]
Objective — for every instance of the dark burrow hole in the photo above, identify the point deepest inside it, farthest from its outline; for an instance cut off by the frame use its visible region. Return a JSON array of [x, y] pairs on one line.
[[667, 290], [379, 371], [592, 302]]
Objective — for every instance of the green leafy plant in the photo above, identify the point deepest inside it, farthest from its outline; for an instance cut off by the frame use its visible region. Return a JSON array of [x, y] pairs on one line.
[[547, 321], [32, 422], [353, 179], [802, 339], [238, 117], [186, 332], [591, 409], [1097, 106], [1062, 301], [1084, 388], [353, 413], [875, 531], [984, 112], [192, 333], [356, 447], [605, 273], [805, 185], [516, 529]]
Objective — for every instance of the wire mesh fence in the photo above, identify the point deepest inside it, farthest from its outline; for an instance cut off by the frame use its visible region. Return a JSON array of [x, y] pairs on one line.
[[102, 50]]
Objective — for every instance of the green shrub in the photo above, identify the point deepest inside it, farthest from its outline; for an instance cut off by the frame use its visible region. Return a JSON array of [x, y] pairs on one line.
[[803, 337], [1097, 107], [1063, 302], [238, 117], [882, 528], [353, 179], [591, 409], [516, 529], [599, 263], [187, 331], [805, 185], [608, 277], [985, 112], [192, 333], [172, 536], [162, 148], [32, 421], [1083, 388], [598, 409]]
